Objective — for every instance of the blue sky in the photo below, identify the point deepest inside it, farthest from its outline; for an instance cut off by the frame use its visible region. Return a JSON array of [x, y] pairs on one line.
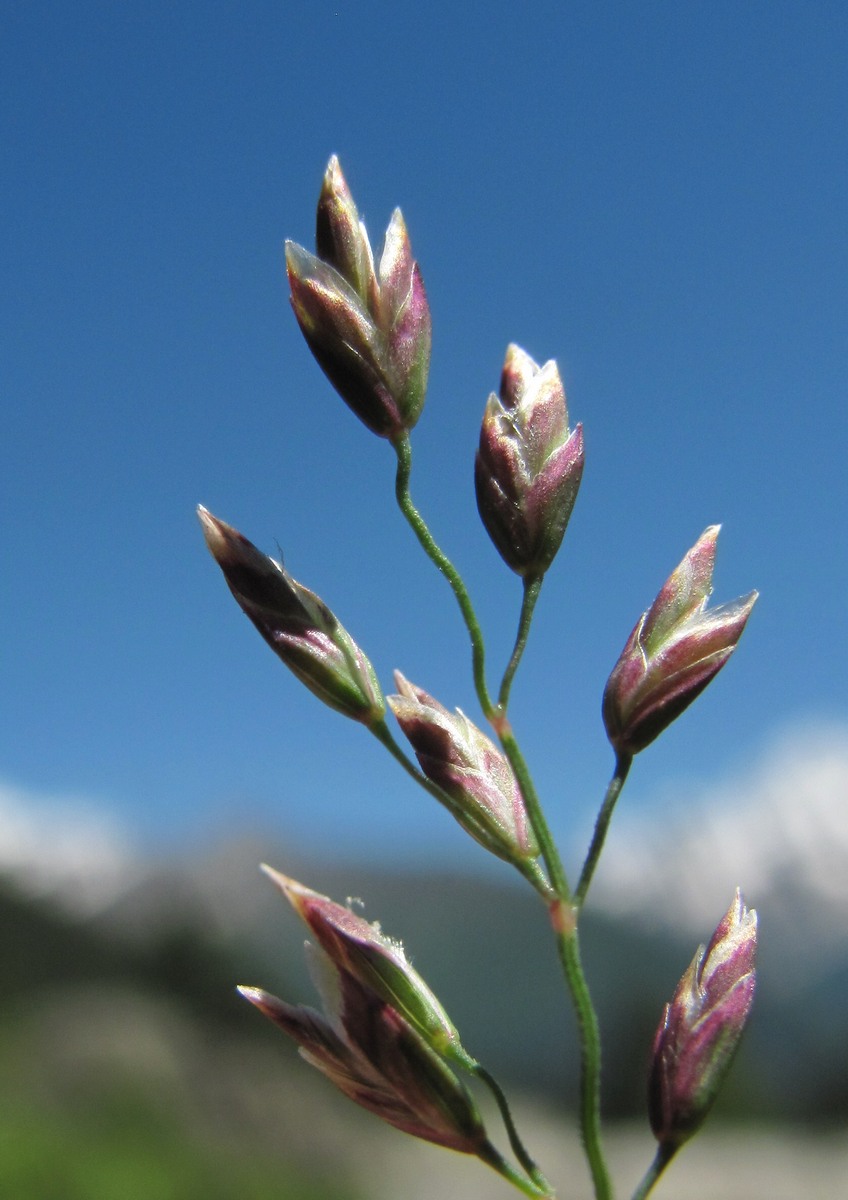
[[652, 194]]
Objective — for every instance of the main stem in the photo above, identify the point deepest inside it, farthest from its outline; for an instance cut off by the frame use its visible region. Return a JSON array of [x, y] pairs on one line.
[[547, 845], [564, 914], [568, 946]]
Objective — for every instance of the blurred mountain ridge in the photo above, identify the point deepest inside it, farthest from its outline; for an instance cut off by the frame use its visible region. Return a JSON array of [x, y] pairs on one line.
[[81, 906], [189, 931]]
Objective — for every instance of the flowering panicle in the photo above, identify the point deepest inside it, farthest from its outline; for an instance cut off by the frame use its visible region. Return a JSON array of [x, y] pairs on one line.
[[379, 1061], [674, 651], [467, 766], [529, 464], [296, 624], [356, 946], [369, 329], [375, 1041], [701, 1027]]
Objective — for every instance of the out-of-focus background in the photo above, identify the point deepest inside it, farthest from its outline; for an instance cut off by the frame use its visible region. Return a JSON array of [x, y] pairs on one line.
[[654, 195]]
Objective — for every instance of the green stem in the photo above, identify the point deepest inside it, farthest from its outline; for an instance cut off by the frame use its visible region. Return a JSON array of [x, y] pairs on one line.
[[662, 1158], [564, 919], [518, 1148], [493, 1158], [590, 1061], [419, 526], [622, 766], [547, 845], [532, 587]]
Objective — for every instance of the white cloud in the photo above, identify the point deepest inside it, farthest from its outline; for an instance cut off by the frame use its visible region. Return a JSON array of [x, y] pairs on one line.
[[63, 847], [779, 830]]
